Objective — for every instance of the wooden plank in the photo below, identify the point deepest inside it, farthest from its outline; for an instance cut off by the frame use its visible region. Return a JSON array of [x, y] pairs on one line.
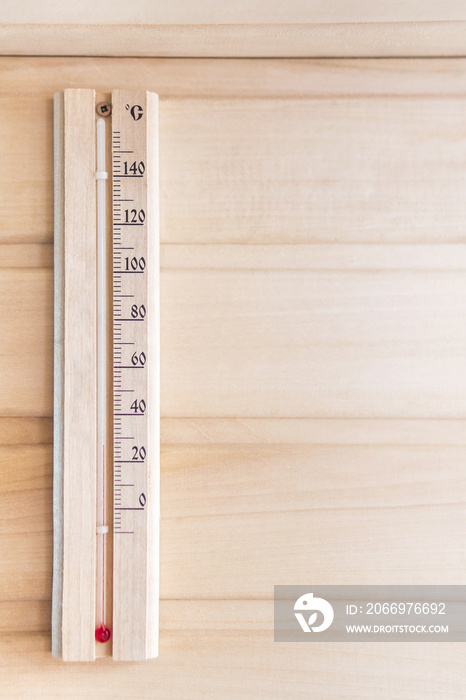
[[153, 249], [26, 367], [75, 447], [25, 468], [25, 616], [298, 40], [28, 145], [27, 554], [252, 479], [311, 431], [136, 528], [268, 548], [40, 76], [313, 257], [26, 255], [26, 525], [25, 431], [212, 12], [367, 344], [240, 664], [294, 158]]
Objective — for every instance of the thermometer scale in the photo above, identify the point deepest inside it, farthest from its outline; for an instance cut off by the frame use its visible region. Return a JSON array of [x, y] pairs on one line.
[[135, 371], [106, 377]]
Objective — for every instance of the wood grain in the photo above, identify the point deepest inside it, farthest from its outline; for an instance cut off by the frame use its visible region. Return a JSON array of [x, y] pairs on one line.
[[26, 431], [381, 479], [293, 159], [311, 431], [75, 391], [209, 11], [26, 255], [29, 431], [243, 663], [297, 40], [300, 344], [271, 171], [136, 534], [313, 256], [313, 421], [249, 78], [258, 509], [26, 368], [404, 361]]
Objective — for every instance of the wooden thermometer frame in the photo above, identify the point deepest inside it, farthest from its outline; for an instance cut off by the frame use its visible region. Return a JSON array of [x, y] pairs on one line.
[[131, 585]]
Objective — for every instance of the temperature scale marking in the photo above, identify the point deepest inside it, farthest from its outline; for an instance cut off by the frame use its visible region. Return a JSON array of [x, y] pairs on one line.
[[136, 371]]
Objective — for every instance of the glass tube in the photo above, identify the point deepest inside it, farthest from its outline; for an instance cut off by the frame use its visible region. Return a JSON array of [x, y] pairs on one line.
[[102, 632]]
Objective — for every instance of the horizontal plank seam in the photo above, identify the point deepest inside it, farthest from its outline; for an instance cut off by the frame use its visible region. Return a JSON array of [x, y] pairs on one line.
[[261, 57], [271, 418], [338, 509], [269, 443]]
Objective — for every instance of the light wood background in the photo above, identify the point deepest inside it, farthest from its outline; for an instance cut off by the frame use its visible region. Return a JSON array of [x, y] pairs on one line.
[[313, 331], [213, 28], [145, 12]]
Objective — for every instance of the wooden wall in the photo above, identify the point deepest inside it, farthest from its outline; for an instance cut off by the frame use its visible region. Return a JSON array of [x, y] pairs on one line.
[[313, 222]]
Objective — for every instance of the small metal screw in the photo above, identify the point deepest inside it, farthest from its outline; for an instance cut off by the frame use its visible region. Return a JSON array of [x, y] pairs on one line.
[[104, 109]]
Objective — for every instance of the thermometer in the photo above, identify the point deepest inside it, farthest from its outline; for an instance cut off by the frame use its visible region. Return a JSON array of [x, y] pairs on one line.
[[106, 486]]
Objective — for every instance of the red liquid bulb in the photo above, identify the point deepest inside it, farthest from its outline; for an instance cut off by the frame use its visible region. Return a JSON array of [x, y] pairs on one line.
[[102, 634]]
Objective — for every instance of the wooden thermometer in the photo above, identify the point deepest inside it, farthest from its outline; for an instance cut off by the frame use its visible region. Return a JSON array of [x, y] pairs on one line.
[[106, 410]]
